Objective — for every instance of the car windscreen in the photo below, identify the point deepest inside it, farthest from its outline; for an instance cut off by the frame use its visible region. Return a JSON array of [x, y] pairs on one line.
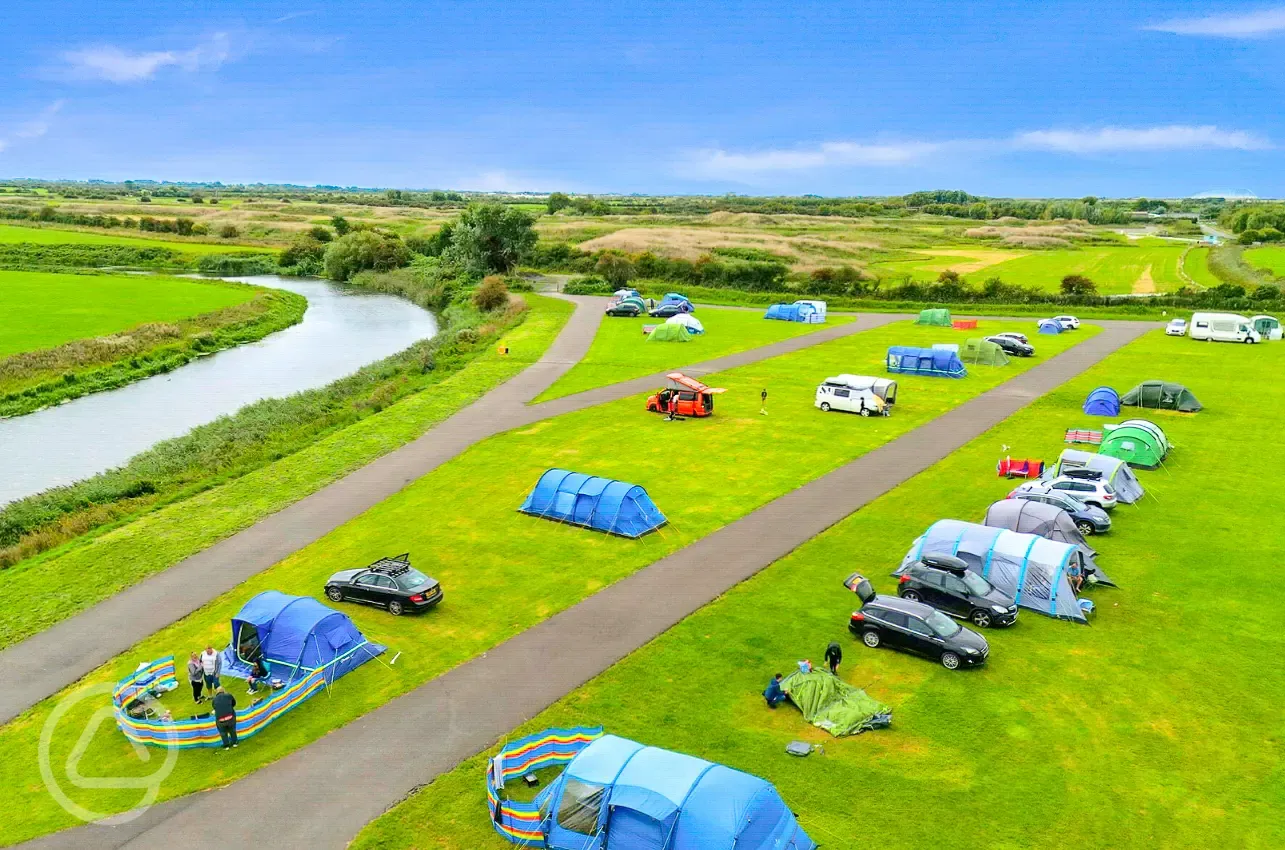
[[942, 625], [976, 585], [411, 578]]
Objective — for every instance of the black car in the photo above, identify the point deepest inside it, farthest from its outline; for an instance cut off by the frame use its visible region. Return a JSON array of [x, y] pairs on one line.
[[628, 310], [390, 583], [664, 311], [1012, 346], [1088, 518], [913, 627], [946, 584]]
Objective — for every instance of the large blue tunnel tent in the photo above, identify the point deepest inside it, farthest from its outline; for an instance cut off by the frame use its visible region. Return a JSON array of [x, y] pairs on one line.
[[295, 636], [1029, 568], [800, 311], [605, 504], [1104, 401], [909, 360], [619, 795]]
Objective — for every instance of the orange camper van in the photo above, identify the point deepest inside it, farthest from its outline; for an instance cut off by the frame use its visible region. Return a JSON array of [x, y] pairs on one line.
[[689, 396]]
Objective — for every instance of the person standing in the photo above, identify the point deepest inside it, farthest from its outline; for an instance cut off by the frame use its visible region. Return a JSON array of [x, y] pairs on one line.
[[211, 667], [196, 676], [225, 717], [833, 655]]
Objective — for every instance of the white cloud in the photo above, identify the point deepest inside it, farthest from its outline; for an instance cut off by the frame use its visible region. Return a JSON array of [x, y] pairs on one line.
[[829, 154], [33, 128], [1257, 24], [116, 65], [1122, 139]]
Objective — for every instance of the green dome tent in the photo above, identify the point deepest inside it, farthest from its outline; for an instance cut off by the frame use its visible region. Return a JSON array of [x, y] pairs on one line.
[[830, 703], [935, 316], [669, 333], [1161, 395], [983, 352], [1137, 442]]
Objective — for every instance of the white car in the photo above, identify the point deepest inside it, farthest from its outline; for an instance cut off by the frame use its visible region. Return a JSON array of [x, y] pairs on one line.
[[857, 394], [1096, 493], [1015, 335], [1176, 327], [1068, 323]]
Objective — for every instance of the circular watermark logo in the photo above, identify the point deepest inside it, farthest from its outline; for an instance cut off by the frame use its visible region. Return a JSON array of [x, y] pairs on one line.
[[150, 785]]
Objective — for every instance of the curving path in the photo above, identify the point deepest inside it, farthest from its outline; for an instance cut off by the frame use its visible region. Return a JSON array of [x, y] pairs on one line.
[[47, 662], [322, 795]]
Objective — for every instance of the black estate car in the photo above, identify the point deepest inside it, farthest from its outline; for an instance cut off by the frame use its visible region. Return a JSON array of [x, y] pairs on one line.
[[913, 627], [390, 583], [1012, 346], [664, 311], [627, 309], [946, 584]]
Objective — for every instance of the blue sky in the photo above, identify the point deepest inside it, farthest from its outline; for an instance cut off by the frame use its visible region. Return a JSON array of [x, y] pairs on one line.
[[833, 98]]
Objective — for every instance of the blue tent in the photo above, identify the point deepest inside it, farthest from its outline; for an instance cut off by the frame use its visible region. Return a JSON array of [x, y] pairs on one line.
[[1049, 326], [1103, 401], [297, 635], [797, 312], [619, 795], [605, 504], [679, 299], [908, 360]]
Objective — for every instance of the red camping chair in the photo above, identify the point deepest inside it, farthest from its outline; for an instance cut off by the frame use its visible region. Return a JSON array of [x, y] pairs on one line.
[[1010, 468]]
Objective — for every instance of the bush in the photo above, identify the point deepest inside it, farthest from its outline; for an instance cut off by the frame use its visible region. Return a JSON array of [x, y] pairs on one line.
[[321, 234], [229, 231], [236, 264], [1077, 284], [1267, 292], [617, 268], [489, 238], [491, 295], [587, 286], [361, 250]]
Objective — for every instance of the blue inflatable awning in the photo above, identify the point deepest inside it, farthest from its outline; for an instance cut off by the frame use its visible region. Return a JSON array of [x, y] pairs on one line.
[[909, 360]]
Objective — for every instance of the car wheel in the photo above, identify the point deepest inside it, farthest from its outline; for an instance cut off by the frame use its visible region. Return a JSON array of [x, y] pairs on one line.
[[950, 660], [334, 594], [395, 608], [870, 638], [981, 618], [1249, 340], [825, 406], [911, 595], [865, 411], [1086, 528]]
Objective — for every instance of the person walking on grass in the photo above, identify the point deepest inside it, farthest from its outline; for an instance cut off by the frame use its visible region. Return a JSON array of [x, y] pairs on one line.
[[833, 655], [196, 677], [225, 717], [211, 667]]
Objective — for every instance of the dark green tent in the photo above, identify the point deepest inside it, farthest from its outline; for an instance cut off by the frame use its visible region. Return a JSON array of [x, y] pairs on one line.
[[935, 316], [1161, 395], [830, 703]]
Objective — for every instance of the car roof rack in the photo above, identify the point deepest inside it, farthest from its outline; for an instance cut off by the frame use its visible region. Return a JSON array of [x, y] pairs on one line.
[[394, 566]]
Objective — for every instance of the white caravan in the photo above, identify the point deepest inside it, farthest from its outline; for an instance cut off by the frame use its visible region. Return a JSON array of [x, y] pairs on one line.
[[857, 394], [1223, 327]]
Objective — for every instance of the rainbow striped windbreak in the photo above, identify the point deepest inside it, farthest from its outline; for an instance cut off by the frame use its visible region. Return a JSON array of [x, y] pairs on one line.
[[187, 734], [520, 822]]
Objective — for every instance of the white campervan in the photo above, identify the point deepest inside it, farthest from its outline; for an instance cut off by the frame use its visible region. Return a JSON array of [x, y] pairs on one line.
[[1223, 327], [857, 394]]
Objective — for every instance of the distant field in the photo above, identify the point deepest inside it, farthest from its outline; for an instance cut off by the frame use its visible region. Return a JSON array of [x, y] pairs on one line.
[[43, 310], [1272, 259], [1149, 266], [934, 261], [1197, 266], [51, 236]]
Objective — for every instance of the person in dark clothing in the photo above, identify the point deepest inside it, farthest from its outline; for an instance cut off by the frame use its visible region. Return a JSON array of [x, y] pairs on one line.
[[258, 674], [833, 655], [195, 676], [225, 717], [774, 695]]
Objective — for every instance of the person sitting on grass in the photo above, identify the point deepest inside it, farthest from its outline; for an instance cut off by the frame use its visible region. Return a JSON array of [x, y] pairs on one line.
[[1075, 576], [774, 695]]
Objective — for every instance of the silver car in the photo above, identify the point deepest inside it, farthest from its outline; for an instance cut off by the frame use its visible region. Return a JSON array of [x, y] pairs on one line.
[[1096, 493]]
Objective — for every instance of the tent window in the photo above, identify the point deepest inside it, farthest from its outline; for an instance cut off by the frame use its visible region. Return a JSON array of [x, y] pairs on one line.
[[337, 637], [247, 648], [580, 806], [564, 503]]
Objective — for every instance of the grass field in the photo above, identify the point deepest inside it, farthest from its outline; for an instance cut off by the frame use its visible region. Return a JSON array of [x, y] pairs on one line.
[[620, 351], [10, 233], [1157, 726], [1115, 269], [966, 261], [1197, 266], [472, 501], [1271, 258], [44, 310]]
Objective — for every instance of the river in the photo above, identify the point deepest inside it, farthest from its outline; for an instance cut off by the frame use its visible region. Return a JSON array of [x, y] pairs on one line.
[[342, 330]]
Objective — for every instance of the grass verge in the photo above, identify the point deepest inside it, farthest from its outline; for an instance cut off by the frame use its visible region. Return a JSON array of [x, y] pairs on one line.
[[501, 570], [1159, 725]]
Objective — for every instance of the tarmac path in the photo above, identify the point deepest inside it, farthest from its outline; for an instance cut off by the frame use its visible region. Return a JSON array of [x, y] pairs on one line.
[[47, 662], [321, 796]]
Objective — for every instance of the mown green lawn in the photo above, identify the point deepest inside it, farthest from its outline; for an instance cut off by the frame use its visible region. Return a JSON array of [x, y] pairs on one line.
[[1197, 266], [10, 233], [36, 594], [503, 571], [1271, 258], [1159, 725], [44, 310], [1115, 269], [620, 351]]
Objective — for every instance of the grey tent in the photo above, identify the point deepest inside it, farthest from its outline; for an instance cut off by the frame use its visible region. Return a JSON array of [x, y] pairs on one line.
[[1161, 395], [1048, 521], [1114, 472]]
